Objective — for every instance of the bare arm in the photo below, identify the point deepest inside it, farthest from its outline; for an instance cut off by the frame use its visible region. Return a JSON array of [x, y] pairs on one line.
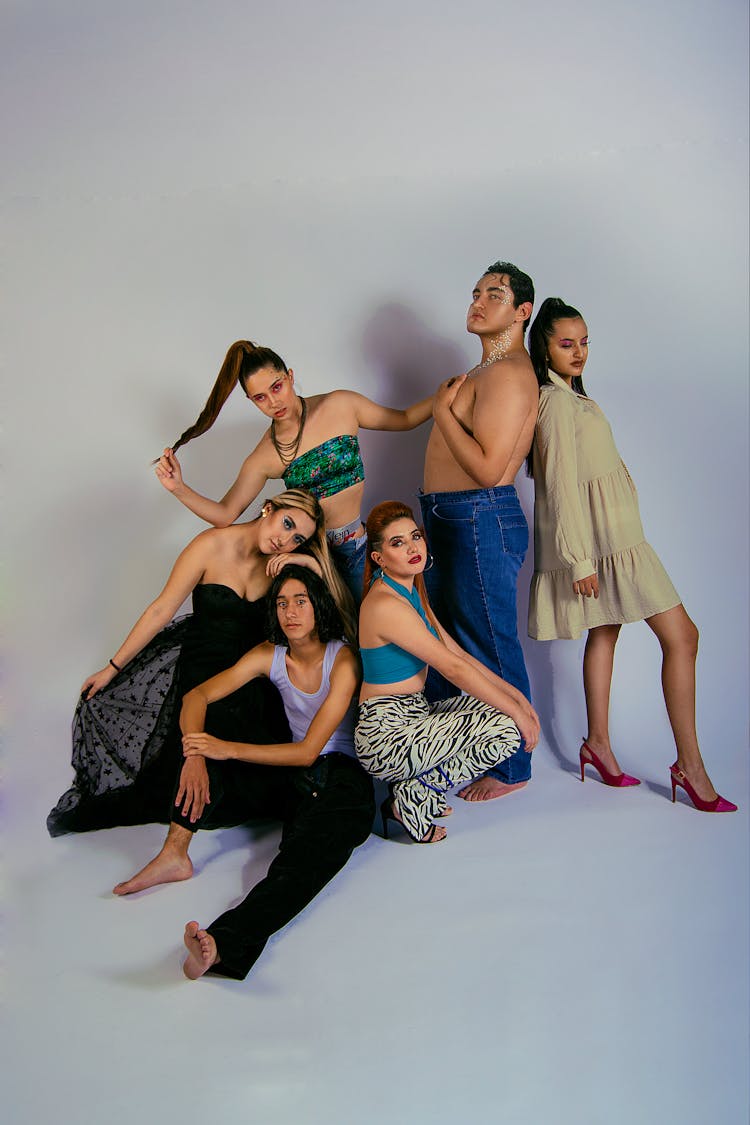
[[186, 573], [454, 646], [372, 416], [398, 626], [256, 662], [193, 791], [252, 477], [276, 563], [344, 683], [501, 407]]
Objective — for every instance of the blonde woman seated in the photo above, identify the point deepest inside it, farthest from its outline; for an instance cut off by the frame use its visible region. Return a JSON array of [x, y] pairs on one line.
[[423, 749]]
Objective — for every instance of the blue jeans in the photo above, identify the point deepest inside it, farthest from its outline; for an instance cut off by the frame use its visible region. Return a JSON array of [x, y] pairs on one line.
[[479, 538], [349, 558]]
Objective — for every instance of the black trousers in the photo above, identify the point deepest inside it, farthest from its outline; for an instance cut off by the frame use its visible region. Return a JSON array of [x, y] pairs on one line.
[[240, 791], [328, 812]]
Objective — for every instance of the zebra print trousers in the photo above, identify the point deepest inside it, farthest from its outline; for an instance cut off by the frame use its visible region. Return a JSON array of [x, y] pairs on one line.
[[427, 748]]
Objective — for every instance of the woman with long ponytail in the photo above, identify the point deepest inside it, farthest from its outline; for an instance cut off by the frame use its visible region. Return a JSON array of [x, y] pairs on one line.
[[311, 443]]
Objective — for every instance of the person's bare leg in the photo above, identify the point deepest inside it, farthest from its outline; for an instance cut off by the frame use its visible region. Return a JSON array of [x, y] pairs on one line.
[[598, 663], [202, 951], [678, 638], [170, 866], [488, 788]]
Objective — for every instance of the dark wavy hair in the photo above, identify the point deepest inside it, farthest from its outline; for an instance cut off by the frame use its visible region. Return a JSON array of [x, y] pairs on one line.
[[550, 311], [329, 625], [521, 285]]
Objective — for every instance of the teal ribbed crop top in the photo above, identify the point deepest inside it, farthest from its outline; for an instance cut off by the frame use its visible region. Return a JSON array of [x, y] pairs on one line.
[[389, 664]]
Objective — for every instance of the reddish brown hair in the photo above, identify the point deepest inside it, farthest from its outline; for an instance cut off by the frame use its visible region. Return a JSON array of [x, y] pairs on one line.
[[379, 520]]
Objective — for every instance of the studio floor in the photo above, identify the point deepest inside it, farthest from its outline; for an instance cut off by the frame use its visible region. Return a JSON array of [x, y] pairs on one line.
[[570, 954]]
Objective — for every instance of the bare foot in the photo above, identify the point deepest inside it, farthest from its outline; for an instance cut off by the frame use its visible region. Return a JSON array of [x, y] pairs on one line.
[[488, 788], [447, 811], [202, 951], [168, 866]]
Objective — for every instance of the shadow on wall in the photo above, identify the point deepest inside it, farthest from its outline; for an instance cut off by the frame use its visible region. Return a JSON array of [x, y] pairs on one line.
[[540, 663], [406, 361]]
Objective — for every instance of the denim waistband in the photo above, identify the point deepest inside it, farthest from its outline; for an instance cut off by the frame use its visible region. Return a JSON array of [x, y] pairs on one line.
[[472, 495], [338, 535]]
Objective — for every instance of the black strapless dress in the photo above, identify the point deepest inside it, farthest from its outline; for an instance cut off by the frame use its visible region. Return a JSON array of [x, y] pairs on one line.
[[127, 748]]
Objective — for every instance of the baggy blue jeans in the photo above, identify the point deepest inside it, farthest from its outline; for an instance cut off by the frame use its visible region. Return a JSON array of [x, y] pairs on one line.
[[479, 538]]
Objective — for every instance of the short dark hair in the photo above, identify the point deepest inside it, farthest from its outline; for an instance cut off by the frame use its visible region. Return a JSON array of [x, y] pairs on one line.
[[328, 623], [521, 285]]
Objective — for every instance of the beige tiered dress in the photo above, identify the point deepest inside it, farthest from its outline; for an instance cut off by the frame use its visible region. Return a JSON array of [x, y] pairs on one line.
[[586, 521]]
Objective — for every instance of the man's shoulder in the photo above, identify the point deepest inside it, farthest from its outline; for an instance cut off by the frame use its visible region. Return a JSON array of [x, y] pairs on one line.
[[512, 374]]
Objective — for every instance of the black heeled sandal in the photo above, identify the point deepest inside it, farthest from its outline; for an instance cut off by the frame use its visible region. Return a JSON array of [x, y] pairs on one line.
[[388, 812]]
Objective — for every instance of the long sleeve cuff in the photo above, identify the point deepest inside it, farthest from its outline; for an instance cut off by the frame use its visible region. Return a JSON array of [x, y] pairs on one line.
[[582, 570]]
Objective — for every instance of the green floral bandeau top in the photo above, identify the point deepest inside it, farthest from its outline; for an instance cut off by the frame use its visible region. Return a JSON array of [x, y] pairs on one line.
[[328, 468]]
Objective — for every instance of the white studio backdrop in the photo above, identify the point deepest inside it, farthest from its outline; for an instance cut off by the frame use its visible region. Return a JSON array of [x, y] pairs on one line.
[[330, 179]]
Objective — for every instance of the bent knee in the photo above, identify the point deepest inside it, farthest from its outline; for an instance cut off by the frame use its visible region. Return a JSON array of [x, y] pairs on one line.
[[685, 639], [691, 636]]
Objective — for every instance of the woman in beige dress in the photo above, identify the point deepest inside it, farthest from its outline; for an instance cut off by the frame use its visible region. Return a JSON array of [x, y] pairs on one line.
[[593, 568]]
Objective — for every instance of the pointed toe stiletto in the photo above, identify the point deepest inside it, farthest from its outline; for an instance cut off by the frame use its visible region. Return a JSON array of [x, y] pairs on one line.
[[616, 780], [719, 804]]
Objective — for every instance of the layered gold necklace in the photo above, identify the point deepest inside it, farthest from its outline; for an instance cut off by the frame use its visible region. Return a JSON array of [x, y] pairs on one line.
[[287, 450]]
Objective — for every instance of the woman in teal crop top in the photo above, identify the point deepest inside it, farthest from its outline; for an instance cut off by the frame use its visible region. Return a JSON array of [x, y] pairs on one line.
[[311, 442], [423, 749]]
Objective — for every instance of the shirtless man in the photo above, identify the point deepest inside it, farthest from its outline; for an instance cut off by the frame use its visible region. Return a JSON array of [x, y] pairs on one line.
[[475, 526]]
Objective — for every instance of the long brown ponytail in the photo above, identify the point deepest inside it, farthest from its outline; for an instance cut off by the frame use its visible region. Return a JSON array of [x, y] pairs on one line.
[[243, 358]]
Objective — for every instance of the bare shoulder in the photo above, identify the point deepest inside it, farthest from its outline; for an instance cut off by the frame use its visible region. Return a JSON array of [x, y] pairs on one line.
[[381, 614], [347, 660], [221, 544], [331, 413], [339, 404], [513, 375], [266, 650]]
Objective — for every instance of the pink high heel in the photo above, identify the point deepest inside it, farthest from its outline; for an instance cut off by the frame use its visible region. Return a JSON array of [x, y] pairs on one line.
[[719, 804], [617, 780]]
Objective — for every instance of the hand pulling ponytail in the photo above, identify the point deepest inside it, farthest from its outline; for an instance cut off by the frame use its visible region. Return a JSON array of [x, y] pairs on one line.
[[226, 380]]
